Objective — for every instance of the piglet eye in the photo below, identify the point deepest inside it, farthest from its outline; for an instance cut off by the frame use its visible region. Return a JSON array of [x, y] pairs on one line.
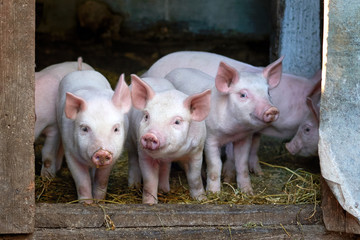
[[178, 121], [307, 129], [243, 94], [146, 117], [84, 128], [116, 129]]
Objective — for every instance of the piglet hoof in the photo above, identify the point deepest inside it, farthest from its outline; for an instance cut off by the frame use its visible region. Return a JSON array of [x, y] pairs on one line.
[[200, 198], [229, 178], [135, 185], [213, 186], [86, 202], [149, 199], [47, 170], [247, 190], [164, 188], [47, 173], [256, 169]]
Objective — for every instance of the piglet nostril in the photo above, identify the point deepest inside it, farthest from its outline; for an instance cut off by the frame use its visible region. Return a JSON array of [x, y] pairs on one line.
[[271, 115], [150, 141], [102, 157]]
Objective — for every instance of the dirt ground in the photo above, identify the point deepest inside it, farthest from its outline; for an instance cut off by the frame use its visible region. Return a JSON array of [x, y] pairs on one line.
[[136, 55]]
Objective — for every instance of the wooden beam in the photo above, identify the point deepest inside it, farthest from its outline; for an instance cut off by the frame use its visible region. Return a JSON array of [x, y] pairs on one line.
[[175, 221], [176, 233], [171, 215], [17, 116], [334, 216]]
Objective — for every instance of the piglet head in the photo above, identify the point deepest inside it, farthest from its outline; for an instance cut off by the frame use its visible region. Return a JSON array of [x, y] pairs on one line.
[[246, 96], [305, 142], [167, 117], [100, 123]]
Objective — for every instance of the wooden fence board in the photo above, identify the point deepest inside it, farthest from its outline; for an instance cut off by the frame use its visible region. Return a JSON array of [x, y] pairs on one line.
[[170, 215], [17, 116], [317, 232]]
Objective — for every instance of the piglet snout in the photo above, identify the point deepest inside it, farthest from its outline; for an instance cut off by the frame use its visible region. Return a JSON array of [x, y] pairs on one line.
[[150, 142], [102, 158], [292, 147], [271, 115]]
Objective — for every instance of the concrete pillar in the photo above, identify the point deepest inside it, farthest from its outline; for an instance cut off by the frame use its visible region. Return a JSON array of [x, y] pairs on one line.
[[339, 145], [296, 35]]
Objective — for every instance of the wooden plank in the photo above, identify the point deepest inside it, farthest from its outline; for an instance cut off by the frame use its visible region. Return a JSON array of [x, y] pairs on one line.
[[170, 215], [17, 115], [334, 216], [176, 233], [170, 221]]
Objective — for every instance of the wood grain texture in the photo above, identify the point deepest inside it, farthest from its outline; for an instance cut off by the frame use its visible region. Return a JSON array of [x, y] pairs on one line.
[[17, 116], [175, 221], [171, 215], [334, 216]]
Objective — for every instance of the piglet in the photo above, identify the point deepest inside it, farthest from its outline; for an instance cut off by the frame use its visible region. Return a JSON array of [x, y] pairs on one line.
[[305, 142], [167, 125], [46, 88], [289, 96], [240, 106], [93, 123]]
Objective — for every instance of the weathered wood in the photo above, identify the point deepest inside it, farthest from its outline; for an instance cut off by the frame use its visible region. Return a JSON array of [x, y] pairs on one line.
[[17, 115], [169, 221], [176, 233], [334, 216], [169, 215], [274, 232]]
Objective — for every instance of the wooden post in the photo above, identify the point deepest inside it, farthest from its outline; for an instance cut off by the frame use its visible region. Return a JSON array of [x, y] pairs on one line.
[[17, 115]]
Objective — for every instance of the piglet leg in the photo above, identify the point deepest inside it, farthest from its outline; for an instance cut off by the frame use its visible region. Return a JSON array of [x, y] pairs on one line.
[[193, 174], [241, 153], [150, 173], [134, 180], [254, 165], [213, 162], [81, 177], [100, 182], [228, 170], [49, 152], [164, 176]]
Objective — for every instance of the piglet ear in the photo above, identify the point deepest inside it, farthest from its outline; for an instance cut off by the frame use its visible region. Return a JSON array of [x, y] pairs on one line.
[[141, 92], [273, 72], [121, 98], [73, 105], [313, 100], [314, 108], [199, 105], [317, 77], [225, 77]]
